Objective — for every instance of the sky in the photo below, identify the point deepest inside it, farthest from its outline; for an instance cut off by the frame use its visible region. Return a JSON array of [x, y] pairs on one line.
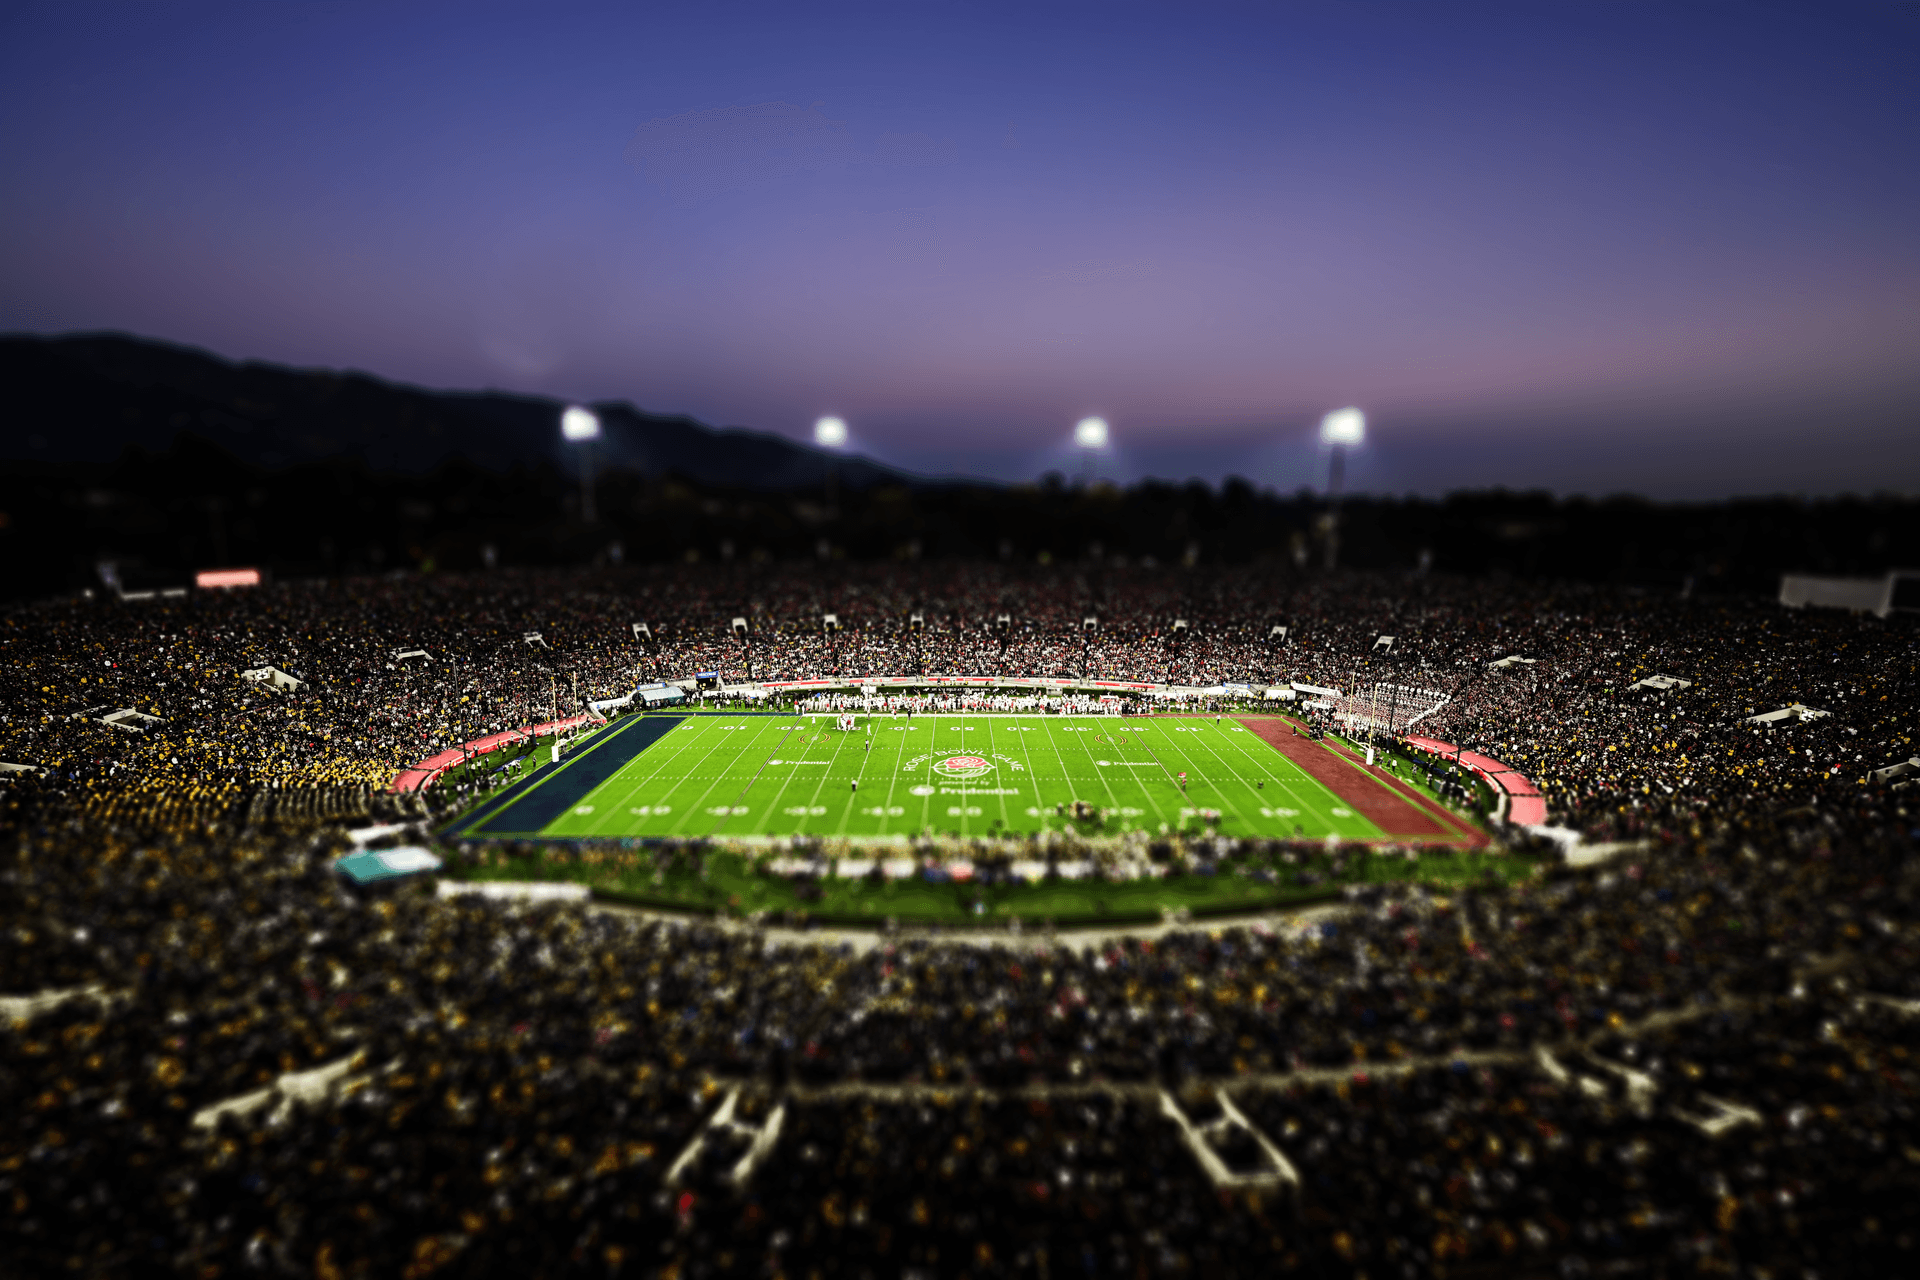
[[1669, 248]]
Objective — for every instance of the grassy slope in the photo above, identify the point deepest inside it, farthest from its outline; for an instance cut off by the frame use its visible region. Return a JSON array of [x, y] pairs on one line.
[[729, 881]]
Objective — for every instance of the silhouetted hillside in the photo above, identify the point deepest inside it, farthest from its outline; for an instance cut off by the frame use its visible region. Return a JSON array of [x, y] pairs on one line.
[[86, 398], [162, 461]]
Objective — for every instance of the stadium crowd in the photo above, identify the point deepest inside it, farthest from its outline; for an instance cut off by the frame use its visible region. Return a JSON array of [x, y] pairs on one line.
[[1613, 756], [1694, 1058]]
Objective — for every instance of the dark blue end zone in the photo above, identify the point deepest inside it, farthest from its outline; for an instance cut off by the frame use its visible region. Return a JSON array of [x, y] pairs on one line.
[[530, 804]]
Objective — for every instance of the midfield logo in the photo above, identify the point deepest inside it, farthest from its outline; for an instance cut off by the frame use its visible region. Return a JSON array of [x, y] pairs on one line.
[[964, 767], [961, 768]]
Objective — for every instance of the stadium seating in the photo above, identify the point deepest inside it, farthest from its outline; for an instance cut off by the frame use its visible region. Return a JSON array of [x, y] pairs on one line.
[[1699, 1056]]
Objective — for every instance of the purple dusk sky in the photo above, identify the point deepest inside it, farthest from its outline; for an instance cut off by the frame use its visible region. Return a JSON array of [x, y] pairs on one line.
[[1665, 247]]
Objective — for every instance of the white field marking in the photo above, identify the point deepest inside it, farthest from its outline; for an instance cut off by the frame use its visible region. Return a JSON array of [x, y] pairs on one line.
[[663, 763], [1026, 752], [1113, 800], [758, 775], [813, 803], [1160, 815], [862, 758], [1006, 815], [1262, 765], [893, 781], [1286, 784], [752, 746], [1229, 798]]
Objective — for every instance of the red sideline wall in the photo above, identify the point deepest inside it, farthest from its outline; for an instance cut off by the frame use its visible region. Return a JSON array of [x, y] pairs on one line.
[[1525, 804], [427, 772]]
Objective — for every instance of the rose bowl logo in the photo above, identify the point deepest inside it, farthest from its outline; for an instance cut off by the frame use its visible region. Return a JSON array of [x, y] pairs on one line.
[[964, 767]]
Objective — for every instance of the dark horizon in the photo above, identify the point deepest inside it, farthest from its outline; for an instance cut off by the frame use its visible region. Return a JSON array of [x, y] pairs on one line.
[[207, 485], [101, 444]]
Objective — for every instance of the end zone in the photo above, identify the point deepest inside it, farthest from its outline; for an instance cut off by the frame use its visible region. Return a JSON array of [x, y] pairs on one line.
[[530, 804]]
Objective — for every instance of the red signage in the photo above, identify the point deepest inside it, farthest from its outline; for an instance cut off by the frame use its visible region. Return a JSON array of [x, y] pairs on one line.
[[227, 578]]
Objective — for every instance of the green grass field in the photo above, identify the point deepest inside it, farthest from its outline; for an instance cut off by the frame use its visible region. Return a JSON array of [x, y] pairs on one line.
[[735, 776]]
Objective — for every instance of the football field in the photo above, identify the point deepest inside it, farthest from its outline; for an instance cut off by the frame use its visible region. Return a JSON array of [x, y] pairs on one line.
[[769, 774]]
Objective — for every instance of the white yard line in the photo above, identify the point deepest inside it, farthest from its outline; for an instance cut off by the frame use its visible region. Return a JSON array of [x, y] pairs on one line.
[[905, 729], [1335, 801], [786, 732], [665, 759], [813, 801], [684, 813]]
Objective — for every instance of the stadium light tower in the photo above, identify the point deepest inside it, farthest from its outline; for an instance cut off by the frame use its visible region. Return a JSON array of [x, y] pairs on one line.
[[580, 427], [1340, 430], [830, 433], [1091, 435]]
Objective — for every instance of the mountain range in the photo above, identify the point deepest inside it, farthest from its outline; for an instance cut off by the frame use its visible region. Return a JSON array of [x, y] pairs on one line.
[[88, 397]]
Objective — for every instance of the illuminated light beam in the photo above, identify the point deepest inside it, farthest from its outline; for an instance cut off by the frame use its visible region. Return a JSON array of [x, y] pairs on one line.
[[1344, 427]]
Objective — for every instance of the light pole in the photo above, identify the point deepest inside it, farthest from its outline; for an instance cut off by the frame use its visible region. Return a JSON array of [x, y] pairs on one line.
[[581, 427], [1090, 434], [1339, 430], [830, 433]]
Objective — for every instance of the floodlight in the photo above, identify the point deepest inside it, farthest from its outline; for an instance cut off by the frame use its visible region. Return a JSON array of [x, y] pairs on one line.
[[1343, 426], [579, 425], [1090, 433], [830, 433]]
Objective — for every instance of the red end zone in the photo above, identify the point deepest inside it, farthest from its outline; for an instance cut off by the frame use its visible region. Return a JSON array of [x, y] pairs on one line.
[[1393, 806]]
